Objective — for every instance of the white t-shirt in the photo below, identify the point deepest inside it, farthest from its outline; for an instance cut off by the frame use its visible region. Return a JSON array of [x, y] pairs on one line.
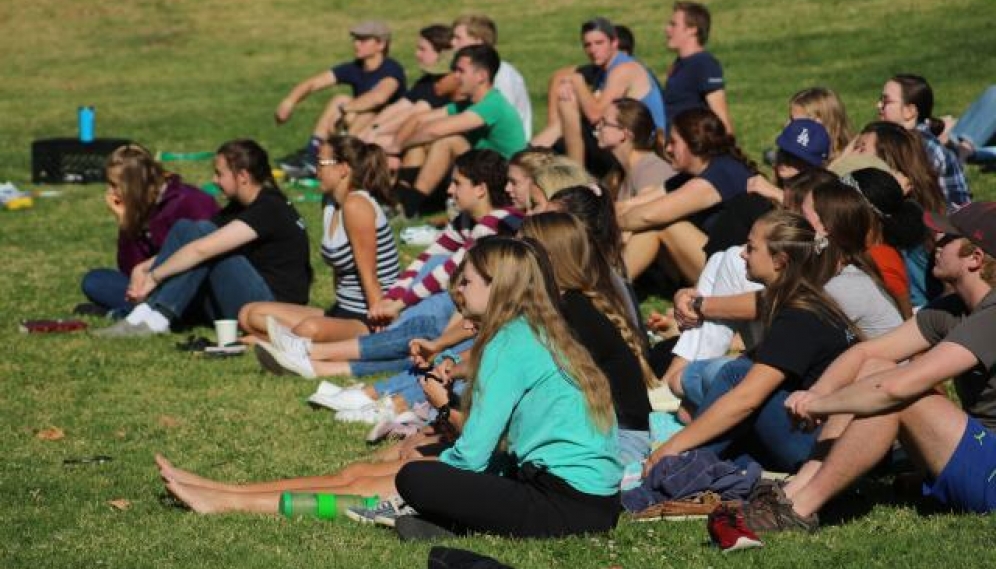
[[510, 83]]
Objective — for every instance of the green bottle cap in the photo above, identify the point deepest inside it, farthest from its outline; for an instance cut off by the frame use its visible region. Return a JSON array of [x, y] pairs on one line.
[[325, 506], [286, 507], [371, 502]]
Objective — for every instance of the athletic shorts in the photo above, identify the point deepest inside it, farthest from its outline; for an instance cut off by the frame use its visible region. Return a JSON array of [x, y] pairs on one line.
[[968, 480]]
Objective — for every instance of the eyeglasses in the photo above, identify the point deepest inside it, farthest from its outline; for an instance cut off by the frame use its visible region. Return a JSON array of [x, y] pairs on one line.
[[885, 101], [327, 162]]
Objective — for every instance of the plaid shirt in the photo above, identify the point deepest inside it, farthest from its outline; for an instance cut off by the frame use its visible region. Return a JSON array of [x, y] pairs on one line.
[[948, 168]]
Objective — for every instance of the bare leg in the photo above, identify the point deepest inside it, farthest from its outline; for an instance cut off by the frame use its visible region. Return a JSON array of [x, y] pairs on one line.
[[321, 328], [331, 369], [359, 121], [252, 317], [832, 429], [440, 157], [343, 350], [345, 477], [326, 124], [684, 243], [640, 252]]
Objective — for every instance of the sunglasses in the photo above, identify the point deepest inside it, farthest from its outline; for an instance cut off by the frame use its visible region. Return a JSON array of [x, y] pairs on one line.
[[945, 239]]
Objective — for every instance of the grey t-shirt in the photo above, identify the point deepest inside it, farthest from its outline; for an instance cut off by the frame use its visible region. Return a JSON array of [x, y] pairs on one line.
[[867, 305], [651, 170], [948, 320]]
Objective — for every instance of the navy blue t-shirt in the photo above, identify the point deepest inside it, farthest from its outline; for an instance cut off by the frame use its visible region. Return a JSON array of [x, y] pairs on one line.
[[361, 81], [689, 80], [425, 90], [729, 176]]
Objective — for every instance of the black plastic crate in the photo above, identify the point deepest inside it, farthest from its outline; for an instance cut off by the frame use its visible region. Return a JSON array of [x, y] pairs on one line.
[[70, 161]]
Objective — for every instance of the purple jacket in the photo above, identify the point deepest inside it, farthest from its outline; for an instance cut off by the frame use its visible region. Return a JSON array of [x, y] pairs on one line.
[[179, 201]]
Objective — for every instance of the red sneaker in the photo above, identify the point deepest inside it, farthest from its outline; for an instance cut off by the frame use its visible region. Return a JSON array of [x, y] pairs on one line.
[[728, 530]]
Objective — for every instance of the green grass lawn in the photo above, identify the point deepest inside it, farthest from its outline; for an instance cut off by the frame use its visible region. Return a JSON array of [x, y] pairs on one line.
[[181, 75]]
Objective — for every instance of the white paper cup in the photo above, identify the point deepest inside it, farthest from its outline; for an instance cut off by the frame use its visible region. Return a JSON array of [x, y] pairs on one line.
[[227, 331]]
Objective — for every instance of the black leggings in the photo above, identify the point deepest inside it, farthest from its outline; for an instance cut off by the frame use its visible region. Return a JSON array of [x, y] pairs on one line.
[[530, 503]]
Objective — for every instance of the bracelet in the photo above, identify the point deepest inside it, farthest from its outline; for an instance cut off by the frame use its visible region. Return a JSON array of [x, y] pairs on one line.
[[443, 412], [446, 355]]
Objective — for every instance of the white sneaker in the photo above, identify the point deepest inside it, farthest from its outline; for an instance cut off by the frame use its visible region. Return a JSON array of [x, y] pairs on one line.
[[350, 400], [419, 235], [286, 341], [382, 410], [279, 363], [326, 392]]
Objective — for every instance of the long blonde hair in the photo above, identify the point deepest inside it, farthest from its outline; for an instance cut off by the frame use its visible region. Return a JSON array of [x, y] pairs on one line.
[[825, 106], [522, 285], [578, 265]]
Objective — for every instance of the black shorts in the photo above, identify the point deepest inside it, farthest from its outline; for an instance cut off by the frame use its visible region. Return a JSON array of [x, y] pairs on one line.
[[336, 311]]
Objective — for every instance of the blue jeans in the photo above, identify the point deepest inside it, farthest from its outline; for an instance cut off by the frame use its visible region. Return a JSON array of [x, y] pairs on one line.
[[978, 124], [406, 384], [766, 437], [698, 375], [387, 350], [106, 287], [634, 446], [220, 286]]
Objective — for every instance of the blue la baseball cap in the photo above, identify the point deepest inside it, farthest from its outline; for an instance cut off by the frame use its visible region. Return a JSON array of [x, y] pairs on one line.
[[807, 140]]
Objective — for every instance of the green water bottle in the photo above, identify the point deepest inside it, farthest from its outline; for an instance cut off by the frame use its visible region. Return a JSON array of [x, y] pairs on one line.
[[322, 506]]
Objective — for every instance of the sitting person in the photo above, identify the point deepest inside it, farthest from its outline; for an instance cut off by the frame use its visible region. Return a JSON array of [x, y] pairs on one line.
[[146, 201], [680, 221], [582, 107], [482, 120], [908, 100], [376, 80], [255, 249], [973, 135], [357, 243], [824, 106], [627, 130], [695, 77], [535, 388], [803, 145], [417, 300], [432, 90], [906, 158], [878, 391], [742, 415], [590, 72], [478, 29]]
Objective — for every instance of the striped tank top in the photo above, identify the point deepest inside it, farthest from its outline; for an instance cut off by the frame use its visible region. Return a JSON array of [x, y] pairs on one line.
[[338, 254]]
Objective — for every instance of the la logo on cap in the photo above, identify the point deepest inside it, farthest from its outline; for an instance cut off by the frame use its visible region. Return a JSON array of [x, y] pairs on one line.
[[803, 138]]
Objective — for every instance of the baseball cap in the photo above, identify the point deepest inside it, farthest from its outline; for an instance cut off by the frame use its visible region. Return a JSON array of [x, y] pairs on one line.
[[975, 222], [805, 139], [371, 29]]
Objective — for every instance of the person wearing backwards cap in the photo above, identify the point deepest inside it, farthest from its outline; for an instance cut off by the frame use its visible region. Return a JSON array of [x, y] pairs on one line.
[[866, 399], [376, 80]]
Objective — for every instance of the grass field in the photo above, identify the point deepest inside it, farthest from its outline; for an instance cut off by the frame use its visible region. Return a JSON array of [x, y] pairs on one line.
[[180, 75]]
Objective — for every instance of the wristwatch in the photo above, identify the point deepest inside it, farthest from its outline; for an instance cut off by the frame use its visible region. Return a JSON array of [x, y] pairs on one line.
[[697, 305]]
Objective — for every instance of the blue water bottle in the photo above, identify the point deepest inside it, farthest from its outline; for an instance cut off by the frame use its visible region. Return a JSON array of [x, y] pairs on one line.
[[87, 117]]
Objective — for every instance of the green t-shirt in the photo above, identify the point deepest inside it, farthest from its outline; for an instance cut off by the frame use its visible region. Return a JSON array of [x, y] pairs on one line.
[[522, 394], [502, 129]]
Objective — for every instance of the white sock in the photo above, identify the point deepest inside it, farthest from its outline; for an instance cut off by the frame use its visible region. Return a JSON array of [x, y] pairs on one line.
[[138, 314], [156, 321]]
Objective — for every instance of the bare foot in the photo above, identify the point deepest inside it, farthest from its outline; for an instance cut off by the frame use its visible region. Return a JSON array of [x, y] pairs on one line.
[[198, 499], [171, 473]]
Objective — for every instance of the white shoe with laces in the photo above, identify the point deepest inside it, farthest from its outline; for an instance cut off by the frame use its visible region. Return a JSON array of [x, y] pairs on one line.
[[382, 410], [286, 341], [350, 400], [280, 362]]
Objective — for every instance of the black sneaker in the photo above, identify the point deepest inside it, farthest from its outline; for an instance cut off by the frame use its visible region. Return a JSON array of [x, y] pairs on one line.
[[417, 528], [298, 165]]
